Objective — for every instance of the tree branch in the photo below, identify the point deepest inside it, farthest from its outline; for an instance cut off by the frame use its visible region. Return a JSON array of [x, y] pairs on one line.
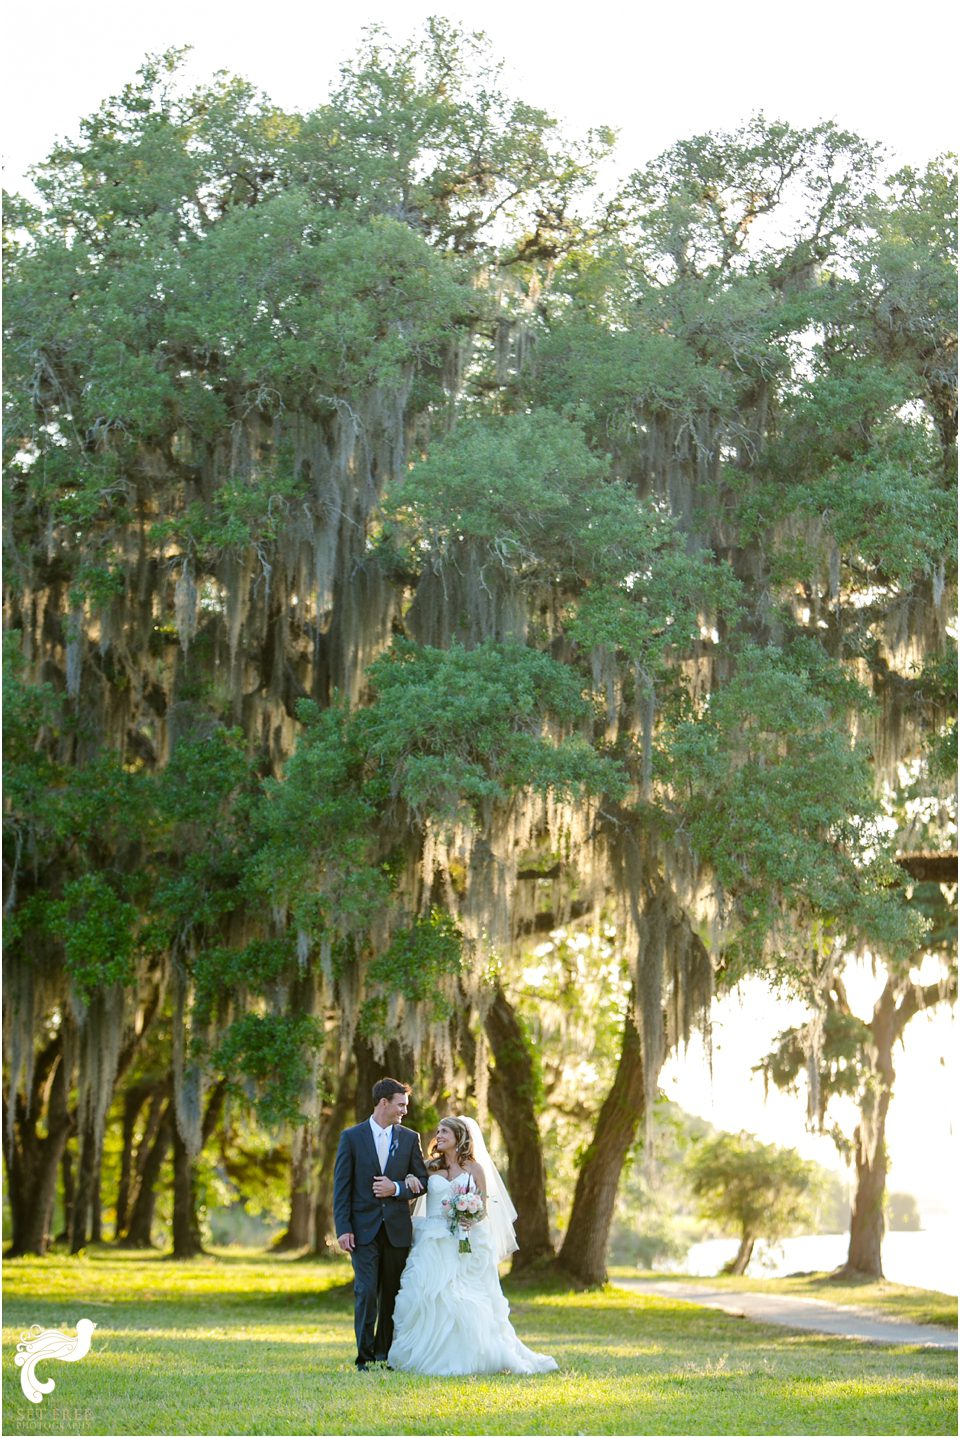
[[926, 996], [929, 867]]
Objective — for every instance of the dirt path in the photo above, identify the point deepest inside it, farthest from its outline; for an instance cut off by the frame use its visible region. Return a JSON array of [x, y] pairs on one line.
[[812, 1314]]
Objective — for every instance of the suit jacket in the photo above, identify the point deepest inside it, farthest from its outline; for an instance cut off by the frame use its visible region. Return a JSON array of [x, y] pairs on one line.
[[356, 1208]]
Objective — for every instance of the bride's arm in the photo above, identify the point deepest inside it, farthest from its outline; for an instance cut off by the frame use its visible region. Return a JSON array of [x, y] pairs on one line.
[[479, 1177]]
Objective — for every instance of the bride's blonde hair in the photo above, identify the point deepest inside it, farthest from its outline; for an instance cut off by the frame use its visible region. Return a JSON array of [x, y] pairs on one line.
[[464, 1149]]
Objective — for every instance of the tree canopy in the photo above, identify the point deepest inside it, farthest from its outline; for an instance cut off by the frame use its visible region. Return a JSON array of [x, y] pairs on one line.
[[392, 518]]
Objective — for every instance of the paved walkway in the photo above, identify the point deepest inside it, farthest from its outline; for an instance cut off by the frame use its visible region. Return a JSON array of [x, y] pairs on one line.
[[796, 1312]]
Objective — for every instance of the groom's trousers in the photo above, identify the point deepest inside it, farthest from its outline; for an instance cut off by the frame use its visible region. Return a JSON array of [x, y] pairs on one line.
[[377, 1267]]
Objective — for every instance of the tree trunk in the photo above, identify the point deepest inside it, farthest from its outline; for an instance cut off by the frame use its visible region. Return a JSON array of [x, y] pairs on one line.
[[584, 1249], [150, 1156], [512, 1097], [738, 1266], [86, 1225], [32, 1162], [187, 1241], [396, 1063], [133, 1101], [866, 1219], [298, 1231], [96, 1198], [69, 1194], [330, 1127], [186, 1225], [87, 1173]]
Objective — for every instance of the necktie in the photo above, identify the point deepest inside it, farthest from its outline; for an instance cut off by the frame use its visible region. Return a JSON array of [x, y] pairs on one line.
[[383, 1148]]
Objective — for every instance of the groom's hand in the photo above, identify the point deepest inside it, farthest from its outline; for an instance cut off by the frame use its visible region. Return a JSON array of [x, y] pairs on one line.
[[347, 1242], [384, 1187]]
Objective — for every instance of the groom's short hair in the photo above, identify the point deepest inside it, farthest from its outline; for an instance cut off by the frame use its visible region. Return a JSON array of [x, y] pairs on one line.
[[387, 1087]]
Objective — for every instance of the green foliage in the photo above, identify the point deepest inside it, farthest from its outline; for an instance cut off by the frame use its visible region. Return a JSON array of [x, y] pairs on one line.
[[907, 286], [303, 303], [871, 480], [253, 969], [743, 365], [204, 777], [887, 514], [937, 683], [903, 1215], [614, 379], [524, 485], [242, 512], [418, 956], [699, 207], [97, 929], [177, 280], [316, 849], [758, 1189], [780, 803], [451, 731], [155, 160], [527, 490], [69, 833], [651, 615], [31, 777], [267, 1058], [843, 1046], [425, 131], [570, 997], [203, 816]]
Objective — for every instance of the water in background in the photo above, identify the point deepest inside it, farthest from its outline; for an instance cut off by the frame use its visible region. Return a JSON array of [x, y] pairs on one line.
[[927, 1259]]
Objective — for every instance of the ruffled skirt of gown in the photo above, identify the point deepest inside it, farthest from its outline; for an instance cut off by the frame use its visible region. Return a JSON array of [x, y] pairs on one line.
[[451, 1316]]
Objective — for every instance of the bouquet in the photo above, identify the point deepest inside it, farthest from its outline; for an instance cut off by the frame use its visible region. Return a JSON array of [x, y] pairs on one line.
[[462, 1210]]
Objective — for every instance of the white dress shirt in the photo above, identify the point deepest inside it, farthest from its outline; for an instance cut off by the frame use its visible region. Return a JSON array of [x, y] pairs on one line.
[[381, 1139]]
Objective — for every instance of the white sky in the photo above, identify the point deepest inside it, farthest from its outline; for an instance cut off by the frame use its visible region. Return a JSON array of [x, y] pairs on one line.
[[921, 1127], [657, 74]]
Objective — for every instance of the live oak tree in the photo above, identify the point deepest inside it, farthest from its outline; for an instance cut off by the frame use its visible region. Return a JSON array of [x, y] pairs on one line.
[[856, 1056], [441, 555], [758, 1189], [165, 448], [893, 336]]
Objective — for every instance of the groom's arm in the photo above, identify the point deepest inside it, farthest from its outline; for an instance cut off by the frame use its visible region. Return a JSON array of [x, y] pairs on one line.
[[419, 1170], [342, 1191]]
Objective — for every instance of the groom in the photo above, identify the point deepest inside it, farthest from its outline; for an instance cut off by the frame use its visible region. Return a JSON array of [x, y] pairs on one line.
[[371, 1210]]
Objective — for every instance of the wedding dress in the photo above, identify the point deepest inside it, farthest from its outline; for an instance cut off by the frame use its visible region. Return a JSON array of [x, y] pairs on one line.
[[451, 1316]]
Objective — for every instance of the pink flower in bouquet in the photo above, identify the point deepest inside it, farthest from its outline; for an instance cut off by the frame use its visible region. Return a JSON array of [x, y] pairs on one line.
[[464, 1209]]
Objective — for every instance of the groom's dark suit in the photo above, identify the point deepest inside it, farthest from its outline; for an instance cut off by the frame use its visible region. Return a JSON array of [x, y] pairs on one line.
[[381, 1227]]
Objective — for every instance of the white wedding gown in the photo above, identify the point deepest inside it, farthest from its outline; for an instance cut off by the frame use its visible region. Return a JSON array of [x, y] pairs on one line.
[[451, 1316]]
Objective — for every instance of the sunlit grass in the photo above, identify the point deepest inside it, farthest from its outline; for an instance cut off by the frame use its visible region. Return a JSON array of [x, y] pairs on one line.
[[248, 1343], [889, 1300]]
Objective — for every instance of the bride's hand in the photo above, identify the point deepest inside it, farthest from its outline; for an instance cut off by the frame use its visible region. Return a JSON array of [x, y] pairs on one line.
[[413, 1183]]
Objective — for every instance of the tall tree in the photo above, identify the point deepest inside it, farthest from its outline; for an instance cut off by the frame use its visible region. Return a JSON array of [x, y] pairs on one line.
[[855, 1056], [392, 525], [762, 1190]]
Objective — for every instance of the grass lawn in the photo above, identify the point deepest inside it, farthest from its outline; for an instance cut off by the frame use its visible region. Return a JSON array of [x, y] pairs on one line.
[[889, 1300], [245, 1343]]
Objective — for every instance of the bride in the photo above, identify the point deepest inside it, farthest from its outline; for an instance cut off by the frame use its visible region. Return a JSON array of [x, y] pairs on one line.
[[451, 1316]]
